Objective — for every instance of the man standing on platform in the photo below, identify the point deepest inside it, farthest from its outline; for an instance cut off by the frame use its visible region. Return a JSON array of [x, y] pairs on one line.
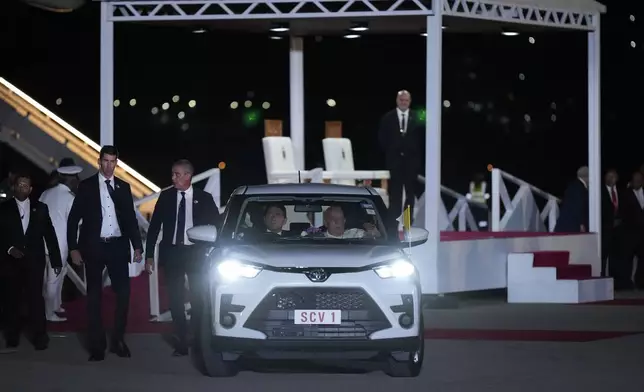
[[26, 228], [177, 210], [399, 138], [105, 205], [59, 199]]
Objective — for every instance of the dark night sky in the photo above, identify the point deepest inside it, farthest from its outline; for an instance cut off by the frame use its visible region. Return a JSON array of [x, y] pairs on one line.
[[51, 56]]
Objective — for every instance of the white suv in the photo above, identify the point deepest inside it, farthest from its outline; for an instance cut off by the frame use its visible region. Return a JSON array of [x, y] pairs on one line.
[[309, 271]]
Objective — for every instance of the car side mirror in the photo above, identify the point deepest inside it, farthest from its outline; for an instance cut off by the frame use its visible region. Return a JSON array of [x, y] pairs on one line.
[[206, 234], [416, 236]]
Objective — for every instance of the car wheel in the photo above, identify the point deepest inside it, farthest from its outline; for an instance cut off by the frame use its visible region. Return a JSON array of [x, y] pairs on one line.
[[209, 361], [411, 366]]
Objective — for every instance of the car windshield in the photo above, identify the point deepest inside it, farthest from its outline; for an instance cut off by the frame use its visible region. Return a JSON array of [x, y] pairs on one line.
[[310, 219]]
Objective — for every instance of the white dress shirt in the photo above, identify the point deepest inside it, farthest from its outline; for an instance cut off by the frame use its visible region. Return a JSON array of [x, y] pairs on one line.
[[59, 200], [110, 225], [639, 194], [24, 208], [400, 116], [188, 220], [610, 193]]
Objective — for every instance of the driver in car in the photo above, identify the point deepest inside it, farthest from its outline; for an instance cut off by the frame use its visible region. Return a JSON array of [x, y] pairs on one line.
[[274, 220], [334, 222]]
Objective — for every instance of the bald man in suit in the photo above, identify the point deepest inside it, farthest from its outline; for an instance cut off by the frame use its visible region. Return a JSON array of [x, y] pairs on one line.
[[400, 138]]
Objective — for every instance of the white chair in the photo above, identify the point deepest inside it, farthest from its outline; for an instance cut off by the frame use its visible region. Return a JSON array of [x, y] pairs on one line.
[[279, 158], [338, 159]]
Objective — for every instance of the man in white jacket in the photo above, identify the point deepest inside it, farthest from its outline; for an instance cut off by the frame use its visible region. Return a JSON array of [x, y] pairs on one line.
[[59, 199]]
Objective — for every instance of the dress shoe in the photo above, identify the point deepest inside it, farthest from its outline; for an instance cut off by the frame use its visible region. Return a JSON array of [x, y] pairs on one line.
[[97, 356], [120, 349], [54, 318]]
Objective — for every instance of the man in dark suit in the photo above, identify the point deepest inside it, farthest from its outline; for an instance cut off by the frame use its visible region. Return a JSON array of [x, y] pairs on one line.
[[573, 216], [177, 210], [399, 136], [612, 230], [633, 207], [104, 203], [24, 224]]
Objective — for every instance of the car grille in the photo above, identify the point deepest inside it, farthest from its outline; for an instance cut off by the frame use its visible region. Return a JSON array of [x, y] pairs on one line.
[[360, 315]]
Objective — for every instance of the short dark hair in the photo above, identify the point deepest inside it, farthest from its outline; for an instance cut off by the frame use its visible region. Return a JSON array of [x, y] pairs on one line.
[[21, 174], [279, 206], [108, 150], [185, 163]]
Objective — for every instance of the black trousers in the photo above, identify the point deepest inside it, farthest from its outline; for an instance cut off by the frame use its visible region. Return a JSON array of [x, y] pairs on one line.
[[180, 262], [403, 175], [115, 256], [635, 248], [615, 254], [23, 285]]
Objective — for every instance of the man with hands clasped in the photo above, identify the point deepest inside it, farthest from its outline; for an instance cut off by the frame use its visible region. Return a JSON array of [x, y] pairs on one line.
[[26, 227], [105, 205]]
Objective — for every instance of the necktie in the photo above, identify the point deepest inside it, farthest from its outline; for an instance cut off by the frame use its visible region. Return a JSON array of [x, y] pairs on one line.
[[181, 220], [402, 123], [110, 188], [613, 196]]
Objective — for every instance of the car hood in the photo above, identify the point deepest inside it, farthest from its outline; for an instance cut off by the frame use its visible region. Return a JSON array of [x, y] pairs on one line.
[[327, 255]]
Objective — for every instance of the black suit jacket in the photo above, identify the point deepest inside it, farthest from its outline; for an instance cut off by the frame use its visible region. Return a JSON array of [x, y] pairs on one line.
[[574, 209], [204, 212], [633, 215], [611, 217], [30, 243], [87, 207], [395, 145]]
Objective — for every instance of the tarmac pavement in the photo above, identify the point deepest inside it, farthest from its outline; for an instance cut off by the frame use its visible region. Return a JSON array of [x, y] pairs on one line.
[[450, 365]]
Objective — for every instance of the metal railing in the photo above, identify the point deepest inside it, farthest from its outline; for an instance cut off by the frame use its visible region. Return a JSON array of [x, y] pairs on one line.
[[459, 217], [521, 212]]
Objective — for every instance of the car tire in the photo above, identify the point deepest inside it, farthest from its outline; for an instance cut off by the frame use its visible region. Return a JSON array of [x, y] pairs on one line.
[[209, 361], [411, 366]]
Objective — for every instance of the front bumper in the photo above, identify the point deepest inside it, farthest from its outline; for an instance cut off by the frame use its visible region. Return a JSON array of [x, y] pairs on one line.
[[263, 311], [233, 348]]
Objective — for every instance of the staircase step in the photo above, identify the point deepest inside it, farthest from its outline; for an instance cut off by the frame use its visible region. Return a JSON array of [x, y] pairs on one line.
[[551, 259], [563, 291], [575, 272]]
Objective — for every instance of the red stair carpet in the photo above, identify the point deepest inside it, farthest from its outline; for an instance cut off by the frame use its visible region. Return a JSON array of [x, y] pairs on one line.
[[560, 261]]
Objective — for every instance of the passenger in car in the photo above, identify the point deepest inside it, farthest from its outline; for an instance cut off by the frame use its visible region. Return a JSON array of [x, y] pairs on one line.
[[334, 226], [274, 221]]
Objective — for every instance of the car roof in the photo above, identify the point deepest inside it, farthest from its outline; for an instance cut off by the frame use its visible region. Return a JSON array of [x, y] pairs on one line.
[[306, 189]]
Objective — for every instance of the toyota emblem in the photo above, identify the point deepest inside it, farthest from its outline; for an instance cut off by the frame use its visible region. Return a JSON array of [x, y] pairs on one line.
[[317, 275]]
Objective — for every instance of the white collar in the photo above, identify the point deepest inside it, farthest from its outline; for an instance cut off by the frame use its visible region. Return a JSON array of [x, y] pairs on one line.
[[583, 182], [103, 178], [401, 112], [187, 191], [22, 203]]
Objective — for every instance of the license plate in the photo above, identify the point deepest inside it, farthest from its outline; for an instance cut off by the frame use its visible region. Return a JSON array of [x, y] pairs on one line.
[[318, 317]]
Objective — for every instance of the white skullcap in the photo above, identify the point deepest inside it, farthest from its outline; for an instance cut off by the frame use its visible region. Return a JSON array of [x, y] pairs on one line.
[[69, 170]]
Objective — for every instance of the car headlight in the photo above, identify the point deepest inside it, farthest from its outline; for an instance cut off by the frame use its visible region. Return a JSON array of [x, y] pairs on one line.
[[396, 269], [233, 270]]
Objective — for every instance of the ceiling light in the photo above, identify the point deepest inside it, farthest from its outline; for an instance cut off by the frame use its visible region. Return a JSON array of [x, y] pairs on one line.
[[280, 28], [199, 31], [276, 37], [361, 26], [352, 36], [510, 33]]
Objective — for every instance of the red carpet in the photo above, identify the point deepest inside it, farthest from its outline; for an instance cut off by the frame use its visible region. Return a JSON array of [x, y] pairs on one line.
[[138, 317], [523, 335]]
